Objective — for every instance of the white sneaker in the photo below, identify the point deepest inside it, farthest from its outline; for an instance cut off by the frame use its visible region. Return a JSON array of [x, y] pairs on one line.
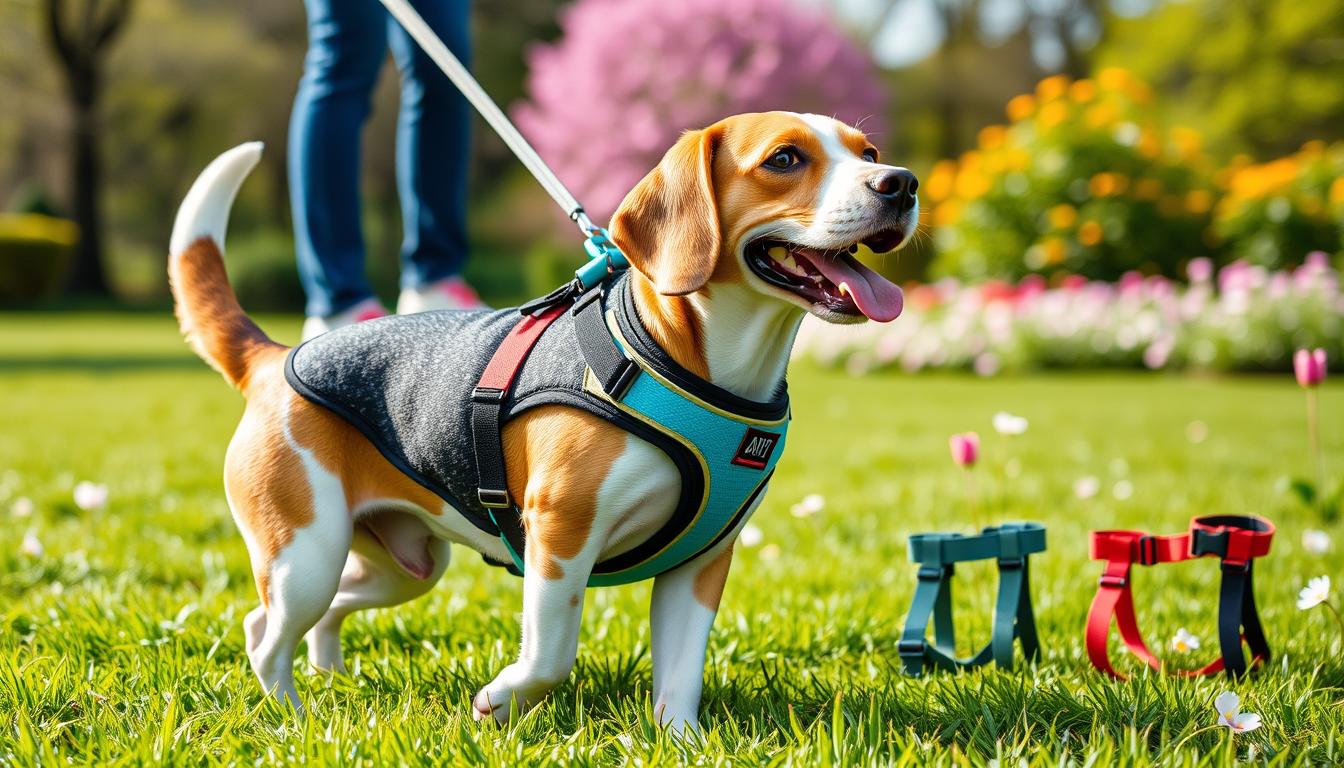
[[368, 309], [448, 293]]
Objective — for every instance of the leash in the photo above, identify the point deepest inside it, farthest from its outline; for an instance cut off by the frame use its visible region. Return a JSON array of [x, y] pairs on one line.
[[937, 555], [1235, 539], [605, 258]]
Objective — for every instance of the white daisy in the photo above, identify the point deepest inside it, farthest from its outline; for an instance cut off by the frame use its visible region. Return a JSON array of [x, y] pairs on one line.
[[1316, 592]]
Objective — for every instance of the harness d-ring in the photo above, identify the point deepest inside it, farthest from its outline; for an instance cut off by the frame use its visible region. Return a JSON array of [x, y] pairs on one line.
[[937, 555], [1235, 539]]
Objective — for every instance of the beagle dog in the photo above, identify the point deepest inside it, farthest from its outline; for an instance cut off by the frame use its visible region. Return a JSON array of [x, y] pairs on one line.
[[742, 229]]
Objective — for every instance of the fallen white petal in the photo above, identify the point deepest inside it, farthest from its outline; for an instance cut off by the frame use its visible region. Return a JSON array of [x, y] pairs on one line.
[[22, 507], [1086, 487], [750, 535], [1007, 424], [810, 505], [1315, 542], [32, 546], [89, 496]]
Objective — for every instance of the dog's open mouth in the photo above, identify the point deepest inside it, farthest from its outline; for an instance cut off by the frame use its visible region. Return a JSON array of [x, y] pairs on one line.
[[833, 279]]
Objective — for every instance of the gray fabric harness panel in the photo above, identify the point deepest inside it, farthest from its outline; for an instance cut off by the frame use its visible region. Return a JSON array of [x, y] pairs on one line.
[[406, 382]]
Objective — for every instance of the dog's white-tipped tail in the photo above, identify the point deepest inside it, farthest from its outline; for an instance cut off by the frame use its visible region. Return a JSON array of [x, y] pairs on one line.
[[205, 210], [211, 319]]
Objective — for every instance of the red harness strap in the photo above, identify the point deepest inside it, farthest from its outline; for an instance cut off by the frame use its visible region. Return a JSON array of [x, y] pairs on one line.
[[487, 402], [508, 358], [1236, 540]]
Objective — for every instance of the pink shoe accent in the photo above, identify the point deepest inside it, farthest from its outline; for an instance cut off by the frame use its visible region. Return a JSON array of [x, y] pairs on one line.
[[459, 292], [370, 313]]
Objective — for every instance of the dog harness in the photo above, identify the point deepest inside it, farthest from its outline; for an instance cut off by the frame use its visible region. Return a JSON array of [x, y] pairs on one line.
[[432, 391], [937, 555], [1235, 539]]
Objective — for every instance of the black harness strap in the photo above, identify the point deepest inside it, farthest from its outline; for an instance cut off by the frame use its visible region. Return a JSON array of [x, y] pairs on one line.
[[613, 369], [1238, 616], [487, 403]]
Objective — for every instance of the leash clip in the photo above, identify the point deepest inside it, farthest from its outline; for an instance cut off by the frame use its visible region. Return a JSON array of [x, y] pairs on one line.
[[604, 259]]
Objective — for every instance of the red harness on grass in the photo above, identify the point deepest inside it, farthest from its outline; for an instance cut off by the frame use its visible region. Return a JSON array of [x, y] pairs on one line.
[[1235, 539]]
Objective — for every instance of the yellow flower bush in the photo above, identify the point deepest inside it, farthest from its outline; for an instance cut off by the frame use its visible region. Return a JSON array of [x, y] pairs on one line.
[[1083, 179], [1273, 213]]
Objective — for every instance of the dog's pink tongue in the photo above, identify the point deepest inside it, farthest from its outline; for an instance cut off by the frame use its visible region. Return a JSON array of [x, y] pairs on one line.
[[874, 295]]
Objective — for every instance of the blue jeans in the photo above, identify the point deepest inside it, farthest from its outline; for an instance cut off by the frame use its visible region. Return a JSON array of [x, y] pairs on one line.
[[347, 43]]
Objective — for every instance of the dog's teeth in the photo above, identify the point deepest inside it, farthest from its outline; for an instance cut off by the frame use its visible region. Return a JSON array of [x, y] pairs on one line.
[[784, 258], [844, 289]]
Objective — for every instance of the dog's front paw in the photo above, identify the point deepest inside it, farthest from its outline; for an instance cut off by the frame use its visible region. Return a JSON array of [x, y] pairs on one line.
[[515, 686]]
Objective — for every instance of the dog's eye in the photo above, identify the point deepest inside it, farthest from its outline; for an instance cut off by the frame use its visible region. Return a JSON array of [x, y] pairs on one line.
[[783, 159], [870, 155]]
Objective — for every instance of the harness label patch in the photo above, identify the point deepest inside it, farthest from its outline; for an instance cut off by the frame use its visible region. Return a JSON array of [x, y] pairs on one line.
[[755, 449]]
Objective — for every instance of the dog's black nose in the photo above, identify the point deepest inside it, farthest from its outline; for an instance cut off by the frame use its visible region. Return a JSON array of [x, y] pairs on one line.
[[897, 186]]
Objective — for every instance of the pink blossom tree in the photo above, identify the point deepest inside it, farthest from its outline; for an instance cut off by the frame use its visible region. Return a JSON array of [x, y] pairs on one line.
[[628, 76]]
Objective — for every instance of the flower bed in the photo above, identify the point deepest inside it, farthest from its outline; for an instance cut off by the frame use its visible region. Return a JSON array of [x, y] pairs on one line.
[[1242, 318]]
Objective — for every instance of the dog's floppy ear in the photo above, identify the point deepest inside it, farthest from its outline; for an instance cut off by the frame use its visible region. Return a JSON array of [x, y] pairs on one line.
[[668, 226]]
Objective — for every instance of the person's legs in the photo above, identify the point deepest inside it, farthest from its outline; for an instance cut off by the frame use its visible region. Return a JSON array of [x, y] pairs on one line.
[[433, 148], [346, 47]]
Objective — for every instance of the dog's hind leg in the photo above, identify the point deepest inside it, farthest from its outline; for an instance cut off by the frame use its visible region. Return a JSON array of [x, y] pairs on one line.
[[373, 578], [304, 578], [293, 514]]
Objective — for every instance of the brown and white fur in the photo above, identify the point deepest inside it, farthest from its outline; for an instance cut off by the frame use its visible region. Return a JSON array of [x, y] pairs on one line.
[[333, 528]]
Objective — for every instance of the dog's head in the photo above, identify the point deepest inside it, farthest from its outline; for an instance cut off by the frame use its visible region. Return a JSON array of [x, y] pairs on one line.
[[779, 202]]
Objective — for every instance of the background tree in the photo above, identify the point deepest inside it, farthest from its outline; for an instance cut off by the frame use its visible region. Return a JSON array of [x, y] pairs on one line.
[[80, 37]]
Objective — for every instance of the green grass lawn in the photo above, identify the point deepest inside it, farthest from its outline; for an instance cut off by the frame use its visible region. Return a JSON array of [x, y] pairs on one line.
[[122, 644]]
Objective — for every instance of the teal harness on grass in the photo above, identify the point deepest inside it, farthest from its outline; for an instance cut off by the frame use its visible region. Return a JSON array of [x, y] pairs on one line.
[[937, 554]]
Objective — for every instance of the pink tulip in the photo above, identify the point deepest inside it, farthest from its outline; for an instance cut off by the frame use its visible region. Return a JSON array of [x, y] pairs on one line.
[[1199, 270], [1309, 365], [1131, 283], [965, 448]]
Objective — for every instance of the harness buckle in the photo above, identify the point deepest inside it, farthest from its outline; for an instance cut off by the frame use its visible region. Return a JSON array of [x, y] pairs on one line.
[[1147, 550], [1119, 582], [931, 572], [624, 378], [910, 648], [1206, 542], [487, 396], [493, 498]]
